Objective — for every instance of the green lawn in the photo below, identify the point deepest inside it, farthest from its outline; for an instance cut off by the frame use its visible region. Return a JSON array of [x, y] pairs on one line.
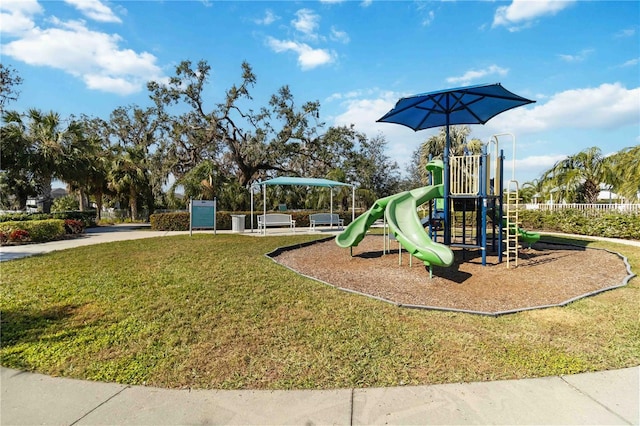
[[213, 312]]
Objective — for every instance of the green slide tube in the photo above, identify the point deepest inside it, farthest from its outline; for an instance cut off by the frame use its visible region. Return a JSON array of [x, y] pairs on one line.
[[402, 216], [525, 236], [355, 232]]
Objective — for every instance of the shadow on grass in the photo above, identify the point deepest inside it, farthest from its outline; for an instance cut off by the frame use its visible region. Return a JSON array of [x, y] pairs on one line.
[[28, 326]]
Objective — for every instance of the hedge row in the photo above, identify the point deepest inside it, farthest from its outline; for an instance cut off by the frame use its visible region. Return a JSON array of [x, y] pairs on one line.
[[88, 218], [179, 221], [32, 230], [571, 221]]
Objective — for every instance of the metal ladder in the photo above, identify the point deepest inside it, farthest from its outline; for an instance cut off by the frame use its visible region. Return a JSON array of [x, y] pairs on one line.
[[511, 240]]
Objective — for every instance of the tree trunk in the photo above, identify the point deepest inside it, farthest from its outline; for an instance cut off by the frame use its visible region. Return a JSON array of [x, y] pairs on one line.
[[82, 200], [591, 191], [133, 203], [98, 196], [45, 194]]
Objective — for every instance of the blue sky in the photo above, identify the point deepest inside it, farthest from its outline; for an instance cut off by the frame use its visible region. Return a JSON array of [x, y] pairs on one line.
[[580, 61]]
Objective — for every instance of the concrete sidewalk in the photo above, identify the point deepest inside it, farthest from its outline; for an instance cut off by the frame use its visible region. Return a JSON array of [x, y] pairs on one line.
[[608, 397]]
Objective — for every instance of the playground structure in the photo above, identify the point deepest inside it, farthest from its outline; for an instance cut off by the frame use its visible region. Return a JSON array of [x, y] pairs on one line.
[[476, 197]]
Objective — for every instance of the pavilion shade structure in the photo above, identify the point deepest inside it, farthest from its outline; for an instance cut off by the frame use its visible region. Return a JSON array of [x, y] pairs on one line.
[[301, 181]]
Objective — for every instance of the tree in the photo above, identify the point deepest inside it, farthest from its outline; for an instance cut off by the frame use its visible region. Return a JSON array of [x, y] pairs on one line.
[[415, 175], [374, 169], [9, 79], [577, 178], [531, 190], [39, 148], [320, 197], [134, 133], [17, 181], [434, 147], [94, 178], [127, 176], [248, 143], [625, 171]]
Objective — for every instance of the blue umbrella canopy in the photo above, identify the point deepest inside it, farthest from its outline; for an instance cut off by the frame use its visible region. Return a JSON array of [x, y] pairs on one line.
[[464, 105]]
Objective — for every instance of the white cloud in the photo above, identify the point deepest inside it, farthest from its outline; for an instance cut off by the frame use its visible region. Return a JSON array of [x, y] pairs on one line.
[[308, 57], [307, 22], [474, 75], [537, 162], [630, 63], [607, 106], [580, 57], [629, 32], [339, 36], [306, 34], [363, 113], [114, 84], [268, 19], [352, 94], [428, 19], [95, 57], [520, 13], [94, 9], [16, 16]]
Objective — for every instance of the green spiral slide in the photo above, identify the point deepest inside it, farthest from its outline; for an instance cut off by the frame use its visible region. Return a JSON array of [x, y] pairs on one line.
[[402, 216]]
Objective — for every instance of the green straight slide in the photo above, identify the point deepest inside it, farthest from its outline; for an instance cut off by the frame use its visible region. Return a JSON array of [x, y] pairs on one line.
[[525, 236], [402, 216]]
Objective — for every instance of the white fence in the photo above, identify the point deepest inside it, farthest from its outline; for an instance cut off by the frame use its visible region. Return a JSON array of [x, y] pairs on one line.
[[588, 209]]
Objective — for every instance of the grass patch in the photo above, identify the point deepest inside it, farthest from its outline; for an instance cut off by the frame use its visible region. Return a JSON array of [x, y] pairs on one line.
[[213, 312]]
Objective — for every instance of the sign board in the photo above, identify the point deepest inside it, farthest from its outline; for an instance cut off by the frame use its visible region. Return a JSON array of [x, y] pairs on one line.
[[202, 214]]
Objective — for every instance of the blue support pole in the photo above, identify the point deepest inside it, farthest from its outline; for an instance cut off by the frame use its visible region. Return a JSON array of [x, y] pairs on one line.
[[447, 212], [483, 195], [501, 210]]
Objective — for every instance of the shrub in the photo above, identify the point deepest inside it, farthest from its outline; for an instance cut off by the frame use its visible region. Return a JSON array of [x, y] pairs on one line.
[[19, 236], [72, 226], [87, 217], [39, 230], [178, 221], [66, 203], [45, 230]]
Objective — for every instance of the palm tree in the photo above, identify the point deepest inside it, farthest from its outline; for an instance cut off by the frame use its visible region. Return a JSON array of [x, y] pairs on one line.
[[320, 197], [128, 177], [16, 177], [577, 178], [625, 167], [434, 146], [200, 182], [531, 190], [98, 180], [98, 156], [47, 147]]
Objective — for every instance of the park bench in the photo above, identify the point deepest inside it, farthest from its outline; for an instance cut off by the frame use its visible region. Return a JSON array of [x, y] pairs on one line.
[[275, 219], [325, 219]]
